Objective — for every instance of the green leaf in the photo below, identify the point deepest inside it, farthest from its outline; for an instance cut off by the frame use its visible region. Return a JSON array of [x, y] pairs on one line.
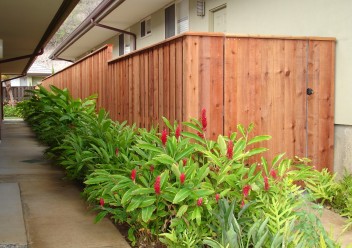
[[260, 138], [176, 170], [100, 216], [181, 195], [222, 145], [256, 151], [142, 191], [193, 136], [181, 211], [164, 159], [184, 153], [147, 201], [277, 158], [193, 126], [150, 147], [135, 202], [147, 213], [167, 123]]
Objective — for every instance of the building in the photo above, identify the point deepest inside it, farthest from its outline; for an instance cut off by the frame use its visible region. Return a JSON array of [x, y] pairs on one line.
[[134, 24]]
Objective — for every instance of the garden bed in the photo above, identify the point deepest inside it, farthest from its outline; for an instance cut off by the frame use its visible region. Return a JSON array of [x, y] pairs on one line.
[[179, 188]]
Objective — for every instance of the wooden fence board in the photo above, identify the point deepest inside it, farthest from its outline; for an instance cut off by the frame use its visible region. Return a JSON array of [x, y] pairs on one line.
[[260, 80]]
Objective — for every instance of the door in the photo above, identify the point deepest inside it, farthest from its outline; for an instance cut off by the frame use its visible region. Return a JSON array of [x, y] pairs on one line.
[[219, 19]]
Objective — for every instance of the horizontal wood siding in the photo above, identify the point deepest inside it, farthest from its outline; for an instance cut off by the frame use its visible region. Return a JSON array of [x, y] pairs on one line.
[[237, 79]]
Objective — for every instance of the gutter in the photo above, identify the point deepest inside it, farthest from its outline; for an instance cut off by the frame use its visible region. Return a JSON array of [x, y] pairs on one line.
[[99, 13]]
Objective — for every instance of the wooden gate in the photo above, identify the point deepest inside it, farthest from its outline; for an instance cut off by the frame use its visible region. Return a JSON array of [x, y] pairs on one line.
[[268, 82]]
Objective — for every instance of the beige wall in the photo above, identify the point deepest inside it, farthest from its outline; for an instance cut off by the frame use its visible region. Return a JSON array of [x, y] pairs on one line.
[[202, 23]]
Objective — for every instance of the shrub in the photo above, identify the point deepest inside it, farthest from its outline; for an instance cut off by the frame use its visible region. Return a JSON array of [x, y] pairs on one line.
[[12, 111], [176, 186]]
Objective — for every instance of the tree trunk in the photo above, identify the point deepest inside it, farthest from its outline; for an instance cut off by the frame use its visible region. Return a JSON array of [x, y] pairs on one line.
[[9, 92]]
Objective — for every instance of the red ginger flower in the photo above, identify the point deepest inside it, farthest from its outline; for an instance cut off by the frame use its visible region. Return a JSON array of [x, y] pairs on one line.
[[200, 135], [204, 119], [117, 151], [217, 197], [178, 131], [200, 201], [157, 185], [133, 174], [182, 178], [184, 161], [273, 173], [102, 202], [266, 183], [246, 190], [230, 150], [242, 203], [164, 136]]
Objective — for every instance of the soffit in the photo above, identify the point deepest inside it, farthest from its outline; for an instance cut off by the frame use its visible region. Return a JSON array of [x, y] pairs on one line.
[[122, 17], [25, 26]]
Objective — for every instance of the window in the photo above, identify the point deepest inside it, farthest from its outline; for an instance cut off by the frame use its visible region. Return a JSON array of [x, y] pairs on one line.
[[170, 21], [121, 44], [146, 27], [182, 13]]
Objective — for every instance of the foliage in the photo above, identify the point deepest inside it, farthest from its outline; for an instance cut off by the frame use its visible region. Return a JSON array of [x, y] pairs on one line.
[[52, 114], [12, 111], [337, 194], [176, 186]]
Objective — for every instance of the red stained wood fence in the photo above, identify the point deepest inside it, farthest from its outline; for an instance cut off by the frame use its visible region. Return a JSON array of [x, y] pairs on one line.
[[263, 80]]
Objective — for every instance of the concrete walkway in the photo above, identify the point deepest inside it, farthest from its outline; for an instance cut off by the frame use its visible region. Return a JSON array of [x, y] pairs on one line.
[[55, 215]]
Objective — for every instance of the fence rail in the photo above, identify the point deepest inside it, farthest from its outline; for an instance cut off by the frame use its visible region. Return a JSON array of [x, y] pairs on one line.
[[237, 79]]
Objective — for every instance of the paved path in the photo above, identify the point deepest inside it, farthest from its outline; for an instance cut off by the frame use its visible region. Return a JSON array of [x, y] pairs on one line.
[[55, 215]]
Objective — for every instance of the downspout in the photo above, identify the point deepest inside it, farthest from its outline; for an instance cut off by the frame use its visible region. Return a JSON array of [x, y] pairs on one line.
[[117, 30]]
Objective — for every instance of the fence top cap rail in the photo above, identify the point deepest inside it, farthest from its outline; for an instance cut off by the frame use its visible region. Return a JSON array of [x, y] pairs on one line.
[[283, 37], [205, 34], [225, 35]]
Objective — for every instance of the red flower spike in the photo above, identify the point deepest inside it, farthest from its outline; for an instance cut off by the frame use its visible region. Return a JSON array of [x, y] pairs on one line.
[[133, 174], [200, 201], [178, 131], [102, 202], [266, 183], [246, 190], [230, 150], [200, 135], [204, 119], [182, 178], [151, 168], [184, 161], [117, 151], [164, 136], [217, 197], [242, 203], [273, 174], [157, 185]]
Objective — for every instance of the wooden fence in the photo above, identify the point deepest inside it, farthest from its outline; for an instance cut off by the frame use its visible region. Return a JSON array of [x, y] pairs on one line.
[[237, 79], [19, 93]]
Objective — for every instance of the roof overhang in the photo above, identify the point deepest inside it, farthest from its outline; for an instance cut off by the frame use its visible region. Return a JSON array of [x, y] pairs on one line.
[[26, 27], [119, 14]]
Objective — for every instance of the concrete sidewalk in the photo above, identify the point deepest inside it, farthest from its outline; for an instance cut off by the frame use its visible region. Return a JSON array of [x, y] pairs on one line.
[[55, 215]]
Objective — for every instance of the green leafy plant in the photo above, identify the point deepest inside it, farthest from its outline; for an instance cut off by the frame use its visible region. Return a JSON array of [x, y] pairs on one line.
[[176, 186], [12, 111]]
